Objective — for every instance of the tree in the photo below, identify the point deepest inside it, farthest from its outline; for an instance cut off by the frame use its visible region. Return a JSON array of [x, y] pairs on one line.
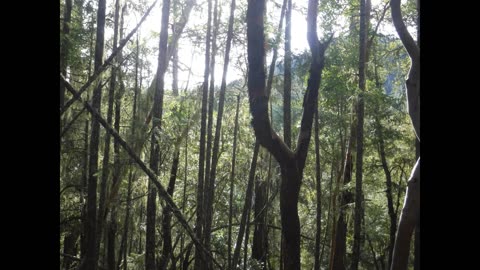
[[201, 156], [291, 163], [91, 256], [358, 238], [157, 112], [411, 206]]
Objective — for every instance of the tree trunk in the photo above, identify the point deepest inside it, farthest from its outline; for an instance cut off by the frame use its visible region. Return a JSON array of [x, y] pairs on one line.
[[318, 186], [83, 235], [106, 153], [150, 263], [201, 158], [388, 177], [209, 181], [91, 256], [287, 79], [339, 242], [291, 163], [167, 215], [416, 261], [65, 46], [259, 241], [411, 207], [232, 174], [246, 207], [69, 247], [373, 252], [358, 238], [247, 234], [123, 242]]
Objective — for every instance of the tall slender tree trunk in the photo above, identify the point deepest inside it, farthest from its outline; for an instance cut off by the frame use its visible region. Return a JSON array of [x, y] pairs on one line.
[[209, 181], [318, 186], [259, 241], [388, 178], [201, 159], [91, 256], [65, 46], [69, 248], [150, 263], [167, 215], [291, 163], [358, 238], [113, 199], [232, 177], [132, 175], [337, 259], [416, 261], [83, 235], [247, 234], [246, 207], [106, 153], [411, 206], [287, 79], [184, 200]]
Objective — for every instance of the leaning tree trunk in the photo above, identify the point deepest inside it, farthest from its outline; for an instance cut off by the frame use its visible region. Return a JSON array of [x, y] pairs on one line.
[[91, 256], [150, 263], [411, 205], [358, 238], [291, 162]]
